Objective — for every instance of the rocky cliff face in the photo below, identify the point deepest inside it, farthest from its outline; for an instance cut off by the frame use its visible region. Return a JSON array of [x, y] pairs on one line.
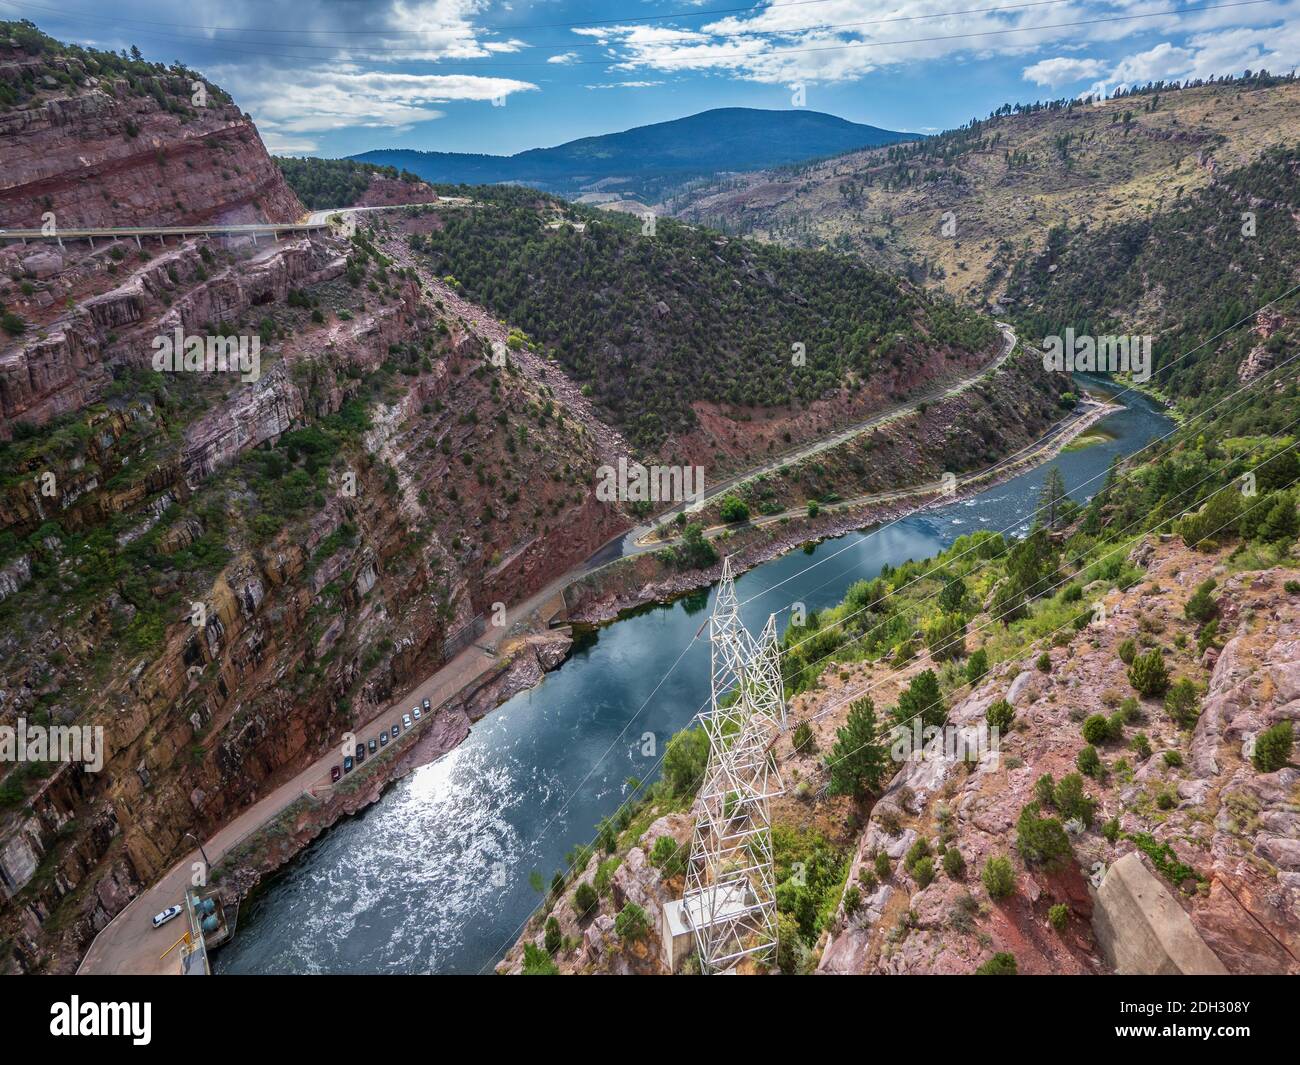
[[101, 147], [1195, 823], [329, 580]]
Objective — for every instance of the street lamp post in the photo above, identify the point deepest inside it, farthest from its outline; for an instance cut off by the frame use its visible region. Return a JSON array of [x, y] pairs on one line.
[[207, 864]]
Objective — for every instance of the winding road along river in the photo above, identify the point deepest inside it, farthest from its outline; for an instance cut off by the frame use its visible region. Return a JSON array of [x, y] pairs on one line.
[[434, 877]]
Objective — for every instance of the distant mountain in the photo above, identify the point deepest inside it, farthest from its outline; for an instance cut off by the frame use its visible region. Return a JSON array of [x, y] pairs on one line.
[[647, 159]]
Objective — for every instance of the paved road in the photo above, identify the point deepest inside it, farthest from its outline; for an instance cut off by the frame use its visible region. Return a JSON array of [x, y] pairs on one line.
[[639, 539], [252, 229], [129, 944], [318, 217]]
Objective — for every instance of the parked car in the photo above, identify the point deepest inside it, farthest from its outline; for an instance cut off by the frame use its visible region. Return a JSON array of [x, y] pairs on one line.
[[347, 764], [373, 746], [160, 919], [383, 739], [397, 731], [426, 706], [361, 753], [415, 712], [335, 773], [406, 721]]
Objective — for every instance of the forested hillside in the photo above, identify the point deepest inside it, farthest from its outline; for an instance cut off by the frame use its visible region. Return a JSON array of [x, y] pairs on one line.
[[650, 324], [953, 210], [322, 183], [1193, 276]]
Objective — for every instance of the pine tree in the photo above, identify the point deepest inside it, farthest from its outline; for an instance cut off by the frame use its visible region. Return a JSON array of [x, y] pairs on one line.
[[922, 699], [858, 759], [1050, 498]]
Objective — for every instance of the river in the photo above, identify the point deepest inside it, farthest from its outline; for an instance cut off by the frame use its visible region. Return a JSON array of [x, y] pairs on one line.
[[434, 877]]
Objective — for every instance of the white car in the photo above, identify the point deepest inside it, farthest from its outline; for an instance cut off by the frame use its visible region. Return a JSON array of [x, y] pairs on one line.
[[406, 721], [415, 712], [160, 919]]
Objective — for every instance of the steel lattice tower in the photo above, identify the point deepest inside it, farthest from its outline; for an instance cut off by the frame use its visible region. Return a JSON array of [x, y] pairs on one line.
[[730, 897]]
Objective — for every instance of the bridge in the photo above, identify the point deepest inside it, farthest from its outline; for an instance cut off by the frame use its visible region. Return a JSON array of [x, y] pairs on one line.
[[249, 229]]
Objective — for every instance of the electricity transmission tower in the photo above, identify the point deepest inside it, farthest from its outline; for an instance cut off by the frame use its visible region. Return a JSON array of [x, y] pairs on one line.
[[730, 898]]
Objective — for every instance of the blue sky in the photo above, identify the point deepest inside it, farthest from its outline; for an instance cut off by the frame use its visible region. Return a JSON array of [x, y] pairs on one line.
[[336, 77]]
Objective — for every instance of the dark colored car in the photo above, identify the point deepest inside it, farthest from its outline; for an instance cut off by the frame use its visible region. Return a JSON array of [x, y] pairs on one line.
[[383, 738], [373, 746], [397, 731], [335, 773], [361, 753], [347, 764], [426, 706]]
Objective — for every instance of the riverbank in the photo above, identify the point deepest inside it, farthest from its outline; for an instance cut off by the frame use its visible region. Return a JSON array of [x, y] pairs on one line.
[[630, 583], [297, 828]]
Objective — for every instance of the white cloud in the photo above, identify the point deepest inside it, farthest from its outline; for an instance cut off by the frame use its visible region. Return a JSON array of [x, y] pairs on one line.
[[840, 40], [1160, 63], [277, 145], [317, 99], [626, 85], [564, 58], [1062, 71]]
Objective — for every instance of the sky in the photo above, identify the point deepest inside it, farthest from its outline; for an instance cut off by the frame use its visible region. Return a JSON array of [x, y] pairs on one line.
[[338, 77]]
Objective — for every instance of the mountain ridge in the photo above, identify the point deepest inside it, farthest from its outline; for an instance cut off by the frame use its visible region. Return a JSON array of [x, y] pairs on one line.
[[708, 142]]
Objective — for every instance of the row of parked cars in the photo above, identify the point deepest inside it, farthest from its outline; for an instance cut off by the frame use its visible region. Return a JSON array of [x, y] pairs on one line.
[[351, 761]]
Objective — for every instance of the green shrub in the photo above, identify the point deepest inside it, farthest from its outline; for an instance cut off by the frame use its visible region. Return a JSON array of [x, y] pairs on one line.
[[685, 759], [1059, 916], [1182, 703], [1089, 762], [802, 738], [1173, 759], [1141, 746], [998, 877], [1111, 830], [1041, 840], [632, 923], [923, 872], [1045, 790], [852, 900], [945, 637], [554, 938], [1000, 715], [1001, 964], [537, 962], [954, 865], [1127, 651], [1096, 729], [882, 865], [669, 856], [734, 510], [1201, 607], [1273, 748], [1073, 802], [1044, 663], [920, 849], [1148, 674], [585, 899], [977, 666]]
